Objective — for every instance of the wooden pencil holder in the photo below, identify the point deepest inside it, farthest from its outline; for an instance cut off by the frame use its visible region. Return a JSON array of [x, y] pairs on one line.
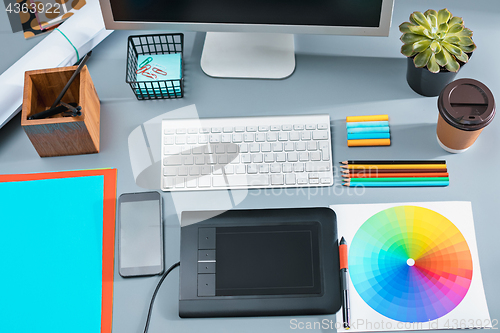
[[58, 135]]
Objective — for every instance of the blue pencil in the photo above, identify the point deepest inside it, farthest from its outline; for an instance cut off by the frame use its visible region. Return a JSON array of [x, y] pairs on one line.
[[379, 129], [397, 184], [361, 136], [367, 124]]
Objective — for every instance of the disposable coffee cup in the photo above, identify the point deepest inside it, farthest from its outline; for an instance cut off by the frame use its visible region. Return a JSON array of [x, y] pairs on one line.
[[466, 107]]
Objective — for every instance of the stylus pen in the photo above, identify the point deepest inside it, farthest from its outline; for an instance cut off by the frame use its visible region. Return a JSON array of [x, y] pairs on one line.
[[344, 280]]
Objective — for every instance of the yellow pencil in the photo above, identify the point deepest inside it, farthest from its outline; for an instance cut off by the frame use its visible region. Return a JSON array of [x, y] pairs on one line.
[[381, 117], [369, 142], [392, 166]]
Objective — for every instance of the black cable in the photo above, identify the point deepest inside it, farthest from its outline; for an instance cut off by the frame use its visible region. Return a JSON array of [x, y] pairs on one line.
[[156, 292]]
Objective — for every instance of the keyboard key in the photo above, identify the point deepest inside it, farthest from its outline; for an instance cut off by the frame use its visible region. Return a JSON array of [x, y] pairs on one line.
[[260, 137], [257, 158], [169, 140], [194, 171], [216, 129], [252, 169], [323, 126], [172, 160], [251, 128], [170, 171], [198, 150], [239, 129], [199, 160], [300, 146], [277, 146], [169, 131], [168, 182], [294, 136], [246, 158], [215, 138], [240, 169], [248, 137], [205, 130], [325, 180], [171, 150], [287, 167], [315, 156], [227, 129], [191, 182], [265, 147], [283, 136], [226, 138], [203, 139], [229, 169], [304, 156], [314, 181], [263, 128], [286, 127], [231, 149], [320, 135], [254, 147], [217, 170], [306, 136], [206, 170], [180, 140], [269, 157], [293, 157], [312, 145], [193, 130], [192, 139], [222, 159], [298, 167], [317, 166], [244, 148], [181, 131], [302, 180], [220, 149], [263, 168], [275, 168], [280, 157], [275, 127], [290, 179], [219, 181], [310, 126], [183, 171], [271, 137], [298, 127], [204, 181], [289, 146], [249, 180], [277, 179], [237, 138], [188, 160]]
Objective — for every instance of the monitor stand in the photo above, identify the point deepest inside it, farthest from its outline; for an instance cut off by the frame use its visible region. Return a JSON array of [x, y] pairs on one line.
[[248, 55]]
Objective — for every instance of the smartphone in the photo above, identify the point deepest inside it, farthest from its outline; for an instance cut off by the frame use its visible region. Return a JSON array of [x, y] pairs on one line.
[[140, 234]]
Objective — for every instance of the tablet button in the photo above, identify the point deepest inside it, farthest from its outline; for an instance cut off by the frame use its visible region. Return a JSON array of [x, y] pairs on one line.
[[206, 238], [206, 284], [206, 255], [206, 267]]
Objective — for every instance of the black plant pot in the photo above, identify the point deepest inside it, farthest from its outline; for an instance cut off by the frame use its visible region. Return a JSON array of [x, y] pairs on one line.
[[427, 83]]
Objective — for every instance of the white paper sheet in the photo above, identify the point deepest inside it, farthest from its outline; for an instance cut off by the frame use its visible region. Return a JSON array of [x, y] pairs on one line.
[[472, 311], [85, 29]]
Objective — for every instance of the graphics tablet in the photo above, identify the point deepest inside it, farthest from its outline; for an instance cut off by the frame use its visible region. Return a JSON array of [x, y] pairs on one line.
[[259, 262]]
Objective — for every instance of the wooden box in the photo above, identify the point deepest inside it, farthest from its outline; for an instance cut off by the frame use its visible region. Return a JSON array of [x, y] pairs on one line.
[[58, 135]]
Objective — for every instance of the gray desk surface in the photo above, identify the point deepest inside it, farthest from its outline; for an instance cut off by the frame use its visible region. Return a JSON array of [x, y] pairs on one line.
[[335, 74]]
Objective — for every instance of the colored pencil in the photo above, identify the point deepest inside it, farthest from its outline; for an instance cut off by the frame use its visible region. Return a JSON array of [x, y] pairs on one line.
[[392, 166], [369, 142], [362, 136], [382, 117], [380, 129], [398, 184], [398, 174], [379, 171], [399, 179], [394, 162], [367, 124]]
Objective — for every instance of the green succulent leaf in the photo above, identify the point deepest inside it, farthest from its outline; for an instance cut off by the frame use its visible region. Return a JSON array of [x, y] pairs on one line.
[[463, 57], [455, 28], [407, 50], [421, 20], [422, 45], [432, 64], [430, 12], [455, 50], [419, 30], [452, 40], [464, 33], [442, 28], [433, 20], [456, 20], [410, 38], [465, 41], [469, 48], [441, 58], [405, 27], [422, 59], [443, 16], [453, 65], [435, 47]]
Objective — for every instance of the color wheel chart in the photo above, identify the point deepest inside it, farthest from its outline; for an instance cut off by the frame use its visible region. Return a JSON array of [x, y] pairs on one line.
[[410, 264]]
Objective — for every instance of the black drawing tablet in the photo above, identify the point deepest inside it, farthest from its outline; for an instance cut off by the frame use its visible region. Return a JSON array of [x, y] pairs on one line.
[[259, 262]]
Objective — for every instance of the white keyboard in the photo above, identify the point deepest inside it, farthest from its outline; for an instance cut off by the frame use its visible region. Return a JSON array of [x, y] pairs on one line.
[[246, 152]]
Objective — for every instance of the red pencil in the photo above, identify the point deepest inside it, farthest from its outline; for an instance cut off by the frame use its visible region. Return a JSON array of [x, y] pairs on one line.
[[378, 171]]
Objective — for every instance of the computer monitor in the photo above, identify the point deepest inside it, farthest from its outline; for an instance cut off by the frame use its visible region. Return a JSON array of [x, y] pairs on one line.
[[251, 38]]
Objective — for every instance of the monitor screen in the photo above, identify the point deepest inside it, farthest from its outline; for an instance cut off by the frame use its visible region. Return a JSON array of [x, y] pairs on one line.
[[351, 13]]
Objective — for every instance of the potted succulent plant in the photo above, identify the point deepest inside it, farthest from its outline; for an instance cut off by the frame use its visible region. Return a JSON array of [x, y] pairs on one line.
[[437, 44]]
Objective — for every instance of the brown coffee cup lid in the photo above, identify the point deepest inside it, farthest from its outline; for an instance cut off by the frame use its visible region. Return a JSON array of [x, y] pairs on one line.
[[467, 104]]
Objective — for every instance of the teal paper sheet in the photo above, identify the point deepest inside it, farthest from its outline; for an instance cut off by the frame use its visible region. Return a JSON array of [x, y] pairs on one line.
[[51, 255]]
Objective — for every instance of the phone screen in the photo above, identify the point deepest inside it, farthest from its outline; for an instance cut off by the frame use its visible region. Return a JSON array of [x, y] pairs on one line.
[[141, 244]]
